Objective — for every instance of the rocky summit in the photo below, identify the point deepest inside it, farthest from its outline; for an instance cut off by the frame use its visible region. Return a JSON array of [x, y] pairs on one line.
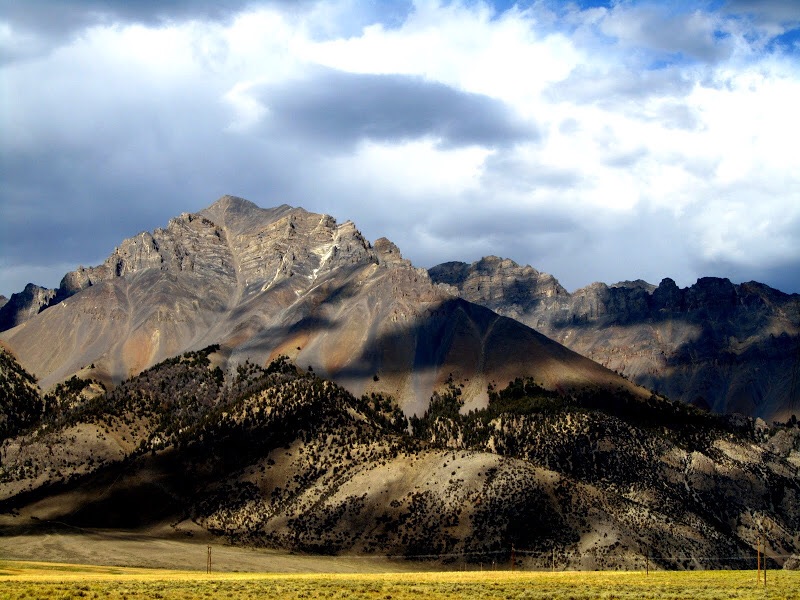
[[282, 281], [725, 347]]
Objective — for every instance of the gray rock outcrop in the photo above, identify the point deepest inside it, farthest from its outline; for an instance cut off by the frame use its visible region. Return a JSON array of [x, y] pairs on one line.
[[726, 347]]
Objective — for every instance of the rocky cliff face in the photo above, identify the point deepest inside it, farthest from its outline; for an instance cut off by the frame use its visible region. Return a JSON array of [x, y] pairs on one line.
[[283, 281], [24, 305], [730, 348], [501, 283]]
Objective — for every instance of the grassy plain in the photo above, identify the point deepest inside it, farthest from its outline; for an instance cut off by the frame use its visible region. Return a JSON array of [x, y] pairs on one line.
[[28, 580]]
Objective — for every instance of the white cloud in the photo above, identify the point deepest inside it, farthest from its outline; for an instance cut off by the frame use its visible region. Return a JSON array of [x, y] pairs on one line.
[[463, 47], [412, 172], [249, 111], [657, 27]]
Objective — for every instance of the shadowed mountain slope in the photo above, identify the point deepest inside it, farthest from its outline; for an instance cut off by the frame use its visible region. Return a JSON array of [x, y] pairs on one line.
[[278, 458], [264, 282], [21, 404], [729, 348]]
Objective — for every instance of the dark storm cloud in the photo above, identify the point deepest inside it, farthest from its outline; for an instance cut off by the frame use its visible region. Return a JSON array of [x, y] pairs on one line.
[[118, 171], [74, 192], [784, 276], [338, 109]]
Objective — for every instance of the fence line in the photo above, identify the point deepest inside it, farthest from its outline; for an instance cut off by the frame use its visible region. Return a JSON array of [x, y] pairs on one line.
[[548, 556]]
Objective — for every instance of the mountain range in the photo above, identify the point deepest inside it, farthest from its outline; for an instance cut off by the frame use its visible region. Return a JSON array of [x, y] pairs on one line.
[[271, 377], [281, 281], [268, 281], [725, 347]]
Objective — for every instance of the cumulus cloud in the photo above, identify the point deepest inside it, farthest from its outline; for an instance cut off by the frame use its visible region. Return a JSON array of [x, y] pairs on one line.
[[656, 27], [783, 12], [612, 142], [612, 85], [33, 28]]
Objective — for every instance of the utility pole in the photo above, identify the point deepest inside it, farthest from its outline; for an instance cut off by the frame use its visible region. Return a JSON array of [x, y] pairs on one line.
[[758, 560], [208, 561], [554, 559], [793, 392], [513, 558], [763, 540]]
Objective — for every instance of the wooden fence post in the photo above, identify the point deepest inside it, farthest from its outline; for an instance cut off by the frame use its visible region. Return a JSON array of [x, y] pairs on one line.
[[758, 560]]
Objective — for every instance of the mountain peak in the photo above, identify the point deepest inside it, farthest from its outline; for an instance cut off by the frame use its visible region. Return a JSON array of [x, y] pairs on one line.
[[232, 203], [240, 215], [229, 200], [387, 250], [638, 284]]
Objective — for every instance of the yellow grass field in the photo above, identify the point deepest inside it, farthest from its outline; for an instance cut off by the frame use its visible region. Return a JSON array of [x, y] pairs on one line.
[[64, 581]]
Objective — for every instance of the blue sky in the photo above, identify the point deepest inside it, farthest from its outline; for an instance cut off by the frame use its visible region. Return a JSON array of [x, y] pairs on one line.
[[592, 140]]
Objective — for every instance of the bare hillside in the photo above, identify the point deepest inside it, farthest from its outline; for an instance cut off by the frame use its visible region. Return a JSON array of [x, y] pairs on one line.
[[278, 458]]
